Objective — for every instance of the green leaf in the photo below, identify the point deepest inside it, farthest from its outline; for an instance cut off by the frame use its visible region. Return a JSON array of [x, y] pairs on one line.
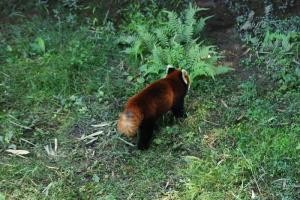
[[8, 48], [2, 197], [38, 46], [222, 70], [96, 178], [129, 78], [141, 80]]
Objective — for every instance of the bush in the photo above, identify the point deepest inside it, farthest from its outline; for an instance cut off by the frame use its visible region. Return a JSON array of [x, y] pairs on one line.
[[173, 40], [277, 43]]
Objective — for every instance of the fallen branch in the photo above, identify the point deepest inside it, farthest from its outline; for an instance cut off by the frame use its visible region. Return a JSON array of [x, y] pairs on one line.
[[130, 144], [19, 125]]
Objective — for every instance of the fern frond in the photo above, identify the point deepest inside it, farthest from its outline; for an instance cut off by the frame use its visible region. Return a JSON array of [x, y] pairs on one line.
[[126, 39], [188, 33], [201, 24], [222, 70], [197, 70], [162, 37], [205, 52], [135, 50], [190, 15], [146, 37], [174, 22], [157, 56]]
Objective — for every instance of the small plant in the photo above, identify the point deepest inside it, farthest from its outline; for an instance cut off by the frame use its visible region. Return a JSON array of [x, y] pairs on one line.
[[174, 40], [38, 46], [277, 44]]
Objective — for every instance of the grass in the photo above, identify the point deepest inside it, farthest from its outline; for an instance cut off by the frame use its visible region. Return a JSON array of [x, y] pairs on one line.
[[240, 139]]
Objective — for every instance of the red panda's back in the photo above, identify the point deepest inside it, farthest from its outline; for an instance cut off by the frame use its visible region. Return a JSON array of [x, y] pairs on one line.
[[155, 100]]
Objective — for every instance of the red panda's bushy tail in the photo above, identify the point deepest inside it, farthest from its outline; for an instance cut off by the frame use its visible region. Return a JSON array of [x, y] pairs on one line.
[[129, 122]]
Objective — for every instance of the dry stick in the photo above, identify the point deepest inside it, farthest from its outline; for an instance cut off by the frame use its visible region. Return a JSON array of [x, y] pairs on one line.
[[92, 140], [296, 62], [55, 145], [18, 155], [4, 74], [19, 125], [24, 140], [130, 196], [213, 123], [246, 51], [223, 102], [130, 144]]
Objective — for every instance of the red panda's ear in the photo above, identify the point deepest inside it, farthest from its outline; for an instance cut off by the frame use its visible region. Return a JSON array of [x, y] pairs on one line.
[[185, 77], [170, 68]]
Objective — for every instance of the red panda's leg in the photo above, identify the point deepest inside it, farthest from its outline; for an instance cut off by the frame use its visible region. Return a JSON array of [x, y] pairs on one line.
[[145, 134], [178, 109]]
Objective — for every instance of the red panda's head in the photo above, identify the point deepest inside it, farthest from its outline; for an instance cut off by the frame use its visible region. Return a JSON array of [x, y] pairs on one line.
[[184, 74]]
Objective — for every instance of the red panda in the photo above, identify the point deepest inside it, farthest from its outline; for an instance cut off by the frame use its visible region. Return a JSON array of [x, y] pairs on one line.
[[144, 108]]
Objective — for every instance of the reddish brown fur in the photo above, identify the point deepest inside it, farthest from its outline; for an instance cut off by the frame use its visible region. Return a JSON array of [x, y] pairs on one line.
[[153, 101]]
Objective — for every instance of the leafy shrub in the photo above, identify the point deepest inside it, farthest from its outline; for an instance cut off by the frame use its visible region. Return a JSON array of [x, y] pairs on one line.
[[282, 57], [173, 40], [277, 43]]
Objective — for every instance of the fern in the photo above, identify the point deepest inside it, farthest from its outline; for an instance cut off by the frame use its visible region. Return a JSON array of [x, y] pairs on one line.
[[173, 22], [190, 15], [189, 23], [147, 38], [162, 37], [157, 57], [201, 24], [174, 41], [135, 50]]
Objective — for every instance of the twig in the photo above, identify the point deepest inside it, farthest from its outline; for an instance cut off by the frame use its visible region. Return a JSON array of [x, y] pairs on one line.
[[50, 167], [101, 125], [296, 62], [5, 74], [19, 125], [130, 144], [91, 136], [246, 52], [24, 140], [223, 102], [211, 122], [55, 144], [296, 186], [279, 180], [92, 140], [18, 155], [22, 126], [130, 196]]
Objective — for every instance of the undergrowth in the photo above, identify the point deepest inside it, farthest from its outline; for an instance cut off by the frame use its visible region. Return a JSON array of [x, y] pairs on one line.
[[173, 39]]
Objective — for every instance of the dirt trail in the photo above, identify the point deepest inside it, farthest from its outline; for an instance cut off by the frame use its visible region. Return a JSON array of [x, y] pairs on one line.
[[229, 43], [233, 50]]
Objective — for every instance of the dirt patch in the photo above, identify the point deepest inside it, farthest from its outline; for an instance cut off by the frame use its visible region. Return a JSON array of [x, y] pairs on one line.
[[233, 50], [230, 45]]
